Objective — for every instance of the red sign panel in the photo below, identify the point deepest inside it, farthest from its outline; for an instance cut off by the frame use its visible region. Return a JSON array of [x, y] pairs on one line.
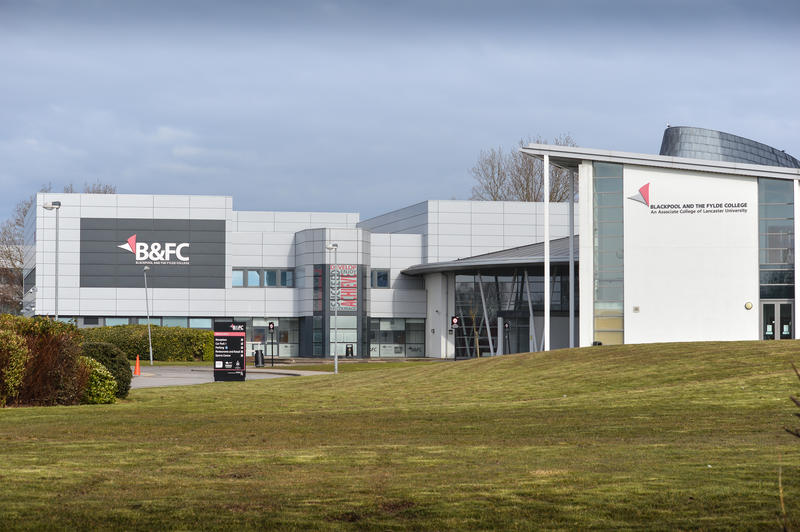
[[344, 287]]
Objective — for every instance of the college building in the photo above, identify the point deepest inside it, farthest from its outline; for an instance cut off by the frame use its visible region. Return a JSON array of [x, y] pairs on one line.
[[696, 243], [324, 280]]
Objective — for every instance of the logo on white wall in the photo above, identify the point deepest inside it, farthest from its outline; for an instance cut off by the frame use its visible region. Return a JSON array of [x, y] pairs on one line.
[[643, 196], [715, 206], [156, 253]]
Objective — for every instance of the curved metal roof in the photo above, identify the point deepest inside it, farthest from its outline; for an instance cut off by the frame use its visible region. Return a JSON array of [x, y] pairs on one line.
[[701, 143]]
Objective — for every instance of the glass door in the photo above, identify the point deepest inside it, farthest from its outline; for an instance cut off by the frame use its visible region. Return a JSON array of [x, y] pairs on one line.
[[785, 330], [258, 340], [768, 321], [777, 320]]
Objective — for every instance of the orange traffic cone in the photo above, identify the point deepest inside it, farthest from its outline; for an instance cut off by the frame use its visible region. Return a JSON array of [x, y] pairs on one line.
[[136, 370]]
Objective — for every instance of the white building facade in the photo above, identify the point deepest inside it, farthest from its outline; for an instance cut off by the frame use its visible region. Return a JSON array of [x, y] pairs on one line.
[[679, 249], [206, 262]]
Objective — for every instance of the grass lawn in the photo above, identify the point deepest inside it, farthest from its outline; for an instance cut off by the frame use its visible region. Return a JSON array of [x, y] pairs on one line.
[[350, 367], [669, 436]]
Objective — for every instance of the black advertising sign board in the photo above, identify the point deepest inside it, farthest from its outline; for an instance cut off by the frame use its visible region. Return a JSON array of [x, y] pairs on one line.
[[229, 349], [179, 253]]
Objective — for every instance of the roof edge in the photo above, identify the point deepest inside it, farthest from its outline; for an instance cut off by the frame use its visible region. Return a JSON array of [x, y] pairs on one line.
[[571, 157]]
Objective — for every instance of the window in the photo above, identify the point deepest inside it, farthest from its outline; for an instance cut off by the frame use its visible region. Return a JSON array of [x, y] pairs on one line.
[[88, 320], [200, 323], [172, 321], [110, 322], [608, 253], [253, 278], [379, 279], [396, 337], [776, 238]]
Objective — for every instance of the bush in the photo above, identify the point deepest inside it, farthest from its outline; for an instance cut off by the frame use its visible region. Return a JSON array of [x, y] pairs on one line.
[[169, 343], [114, 360], [101, 387], [53, 372], [13, 355]]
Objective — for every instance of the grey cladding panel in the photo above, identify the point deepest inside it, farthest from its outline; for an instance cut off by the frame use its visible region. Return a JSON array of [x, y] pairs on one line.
[[104, 264]]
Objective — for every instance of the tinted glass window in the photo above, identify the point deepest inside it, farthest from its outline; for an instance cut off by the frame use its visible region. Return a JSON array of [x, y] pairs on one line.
[[200, 323]]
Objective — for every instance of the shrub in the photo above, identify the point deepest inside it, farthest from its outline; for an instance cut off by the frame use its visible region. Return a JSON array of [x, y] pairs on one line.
[[101, 387], [53, 372], [169, 343], [114, 360], [13, 355]]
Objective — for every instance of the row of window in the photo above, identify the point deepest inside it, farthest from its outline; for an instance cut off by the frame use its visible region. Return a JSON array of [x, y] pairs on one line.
[[608, 253], [167, 321], [260, 278], [776, 238]]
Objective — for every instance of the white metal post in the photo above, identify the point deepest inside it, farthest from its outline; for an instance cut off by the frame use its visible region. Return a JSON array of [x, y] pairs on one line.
[[55, 205], [147, 309], [336, 313], [335, 248], [571, 259], [532, 345], [546, 179], [500, 337], [485, 317], [57, 239]]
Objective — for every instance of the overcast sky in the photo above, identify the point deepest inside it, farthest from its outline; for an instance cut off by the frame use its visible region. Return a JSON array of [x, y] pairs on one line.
[[369, 106]]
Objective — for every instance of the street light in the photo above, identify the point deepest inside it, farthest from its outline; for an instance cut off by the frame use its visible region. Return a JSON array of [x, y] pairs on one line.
[[335, 248], [55, 205], [147, 308]]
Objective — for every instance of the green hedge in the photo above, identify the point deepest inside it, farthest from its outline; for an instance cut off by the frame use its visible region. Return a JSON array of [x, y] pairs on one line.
[[101, 388], [53, 372], [169, 343], [114, 360], [13, 356]]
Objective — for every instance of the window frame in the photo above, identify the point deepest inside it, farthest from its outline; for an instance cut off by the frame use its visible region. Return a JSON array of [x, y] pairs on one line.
[[373, 278]]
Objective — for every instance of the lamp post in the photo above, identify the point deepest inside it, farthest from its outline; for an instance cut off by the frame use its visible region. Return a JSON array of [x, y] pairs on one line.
[[55, 205], [335, 248], [147, 309]]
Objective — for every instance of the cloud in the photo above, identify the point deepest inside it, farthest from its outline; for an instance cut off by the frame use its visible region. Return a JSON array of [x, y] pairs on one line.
[[170, 135], [368, 106]]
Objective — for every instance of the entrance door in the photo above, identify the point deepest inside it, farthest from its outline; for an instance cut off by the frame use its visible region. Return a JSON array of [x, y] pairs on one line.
[[777, 320], [258, 343]]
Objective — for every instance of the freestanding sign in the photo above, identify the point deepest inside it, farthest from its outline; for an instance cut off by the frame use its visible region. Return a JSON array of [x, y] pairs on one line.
[[229, 351]]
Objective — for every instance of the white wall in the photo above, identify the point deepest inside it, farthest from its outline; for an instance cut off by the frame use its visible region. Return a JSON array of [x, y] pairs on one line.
[[74, 300], [254, 239], [690, 275], [440, 290]]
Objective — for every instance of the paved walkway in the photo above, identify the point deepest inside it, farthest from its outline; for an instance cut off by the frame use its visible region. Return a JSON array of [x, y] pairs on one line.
[[155, 376]]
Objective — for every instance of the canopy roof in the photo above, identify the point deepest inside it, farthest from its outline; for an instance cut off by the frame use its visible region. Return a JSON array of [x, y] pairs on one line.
[[519, 256]]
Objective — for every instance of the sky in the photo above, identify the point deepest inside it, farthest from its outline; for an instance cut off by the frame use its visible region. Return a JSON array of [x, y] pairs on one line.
[[369, 106]]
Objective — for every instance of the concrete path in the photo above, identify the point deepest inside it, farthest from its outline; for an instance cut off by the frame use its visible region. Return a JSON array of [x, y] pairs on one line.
[[155, 376]]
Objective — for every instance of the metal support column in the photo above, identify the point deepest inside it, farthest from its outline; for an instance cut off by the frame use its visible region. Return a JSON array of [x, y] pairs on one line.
[[572, 259], [546, 187], [485, 316], [500, 347], [532, 345]]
